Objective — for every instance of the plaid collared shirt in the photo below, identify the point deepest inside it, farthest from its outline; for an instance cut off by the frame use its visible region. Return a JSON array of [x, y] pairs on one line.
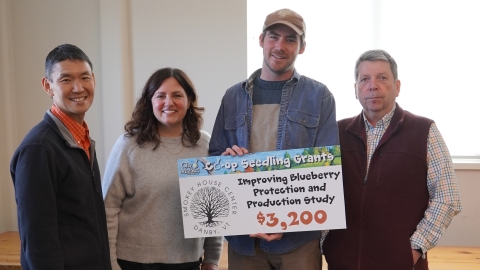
[[441, 182], [374, 134], [79, 132]]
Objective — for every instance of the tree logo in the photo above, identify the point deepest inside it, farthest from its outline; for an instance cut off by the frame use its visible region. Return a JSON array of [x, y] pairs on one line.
[[208, 204]]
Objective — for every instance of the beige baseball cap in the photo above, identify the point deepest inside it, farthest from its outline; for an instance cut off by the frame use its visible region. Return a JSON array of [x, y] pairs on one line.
[[287, 17]]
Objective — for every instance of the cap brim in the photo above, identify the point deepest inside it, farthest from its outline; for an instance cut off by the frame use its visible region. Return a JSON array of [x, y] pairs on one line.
[[289, 24]]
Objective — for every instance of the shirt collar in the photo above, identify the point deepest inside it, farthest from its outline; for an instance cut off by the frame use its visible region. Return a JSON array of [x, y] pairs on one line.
[[384, 122], [79, 132]]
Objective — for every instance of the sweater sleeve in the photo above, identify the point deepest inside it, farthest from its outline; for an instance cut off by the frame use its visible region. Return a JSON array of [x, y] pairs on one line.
[[212, 248], [113, 186]]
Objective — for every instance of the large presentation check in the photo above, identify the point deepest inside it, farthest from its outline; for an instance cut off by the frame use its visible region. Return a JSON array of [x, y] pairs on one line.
[[266, 192]]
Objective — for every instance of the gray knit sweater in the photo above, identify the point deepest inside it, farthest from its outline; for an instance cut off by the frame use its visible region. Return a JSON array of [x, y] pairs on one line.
[[142, 201]]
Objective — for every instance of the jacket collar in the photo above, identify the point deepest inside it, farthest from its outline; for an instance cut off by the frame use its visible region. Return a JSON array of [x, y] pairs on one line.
[[357, 127], [247, 85], [61, 129], [64, 133]]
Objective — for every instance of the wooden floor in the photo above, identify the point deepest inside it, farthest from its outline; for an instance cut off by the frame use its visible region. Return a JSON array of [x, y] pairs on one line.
[[9, 251], [439, 258]]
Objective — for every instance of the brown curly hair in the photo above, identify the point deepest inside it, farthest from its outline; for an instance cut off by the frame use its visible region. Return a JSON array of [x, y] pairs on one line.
[[144, 124]]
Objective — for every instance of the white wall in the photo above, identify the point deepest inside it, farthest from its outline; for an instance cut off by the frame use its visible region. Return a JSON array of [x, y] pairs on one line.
[[30, 29], [463, 231], [127, 41], [8, 132]]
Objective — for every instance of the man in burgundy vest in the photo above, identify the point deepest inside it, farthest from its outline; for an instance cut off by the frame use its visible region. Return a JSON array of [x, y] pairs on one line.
[[400, 187]]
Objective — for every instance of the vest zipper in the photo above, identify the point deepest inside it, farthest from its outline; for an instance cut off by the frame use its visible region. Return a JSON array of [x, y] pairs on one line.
[[360, 235]]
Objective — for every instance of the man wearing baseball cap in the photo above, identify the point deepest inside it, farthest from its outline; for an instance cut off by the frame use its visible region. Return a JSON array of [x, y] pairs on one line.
[[276, 108]]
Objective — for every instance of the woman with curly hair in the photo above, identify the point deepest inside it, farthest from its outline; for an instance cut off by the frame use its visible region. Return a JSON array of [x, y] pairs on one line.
[[140, 186]]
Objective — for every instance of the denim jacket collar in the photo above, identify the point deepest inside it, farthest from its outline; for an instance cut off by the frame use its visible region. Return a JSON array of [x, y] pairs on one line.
[[248, 84]]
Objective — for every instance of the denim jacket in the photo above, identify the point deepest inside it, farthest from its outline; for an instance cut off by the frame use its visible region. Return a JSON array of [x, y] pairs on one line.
[[307, 118]]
